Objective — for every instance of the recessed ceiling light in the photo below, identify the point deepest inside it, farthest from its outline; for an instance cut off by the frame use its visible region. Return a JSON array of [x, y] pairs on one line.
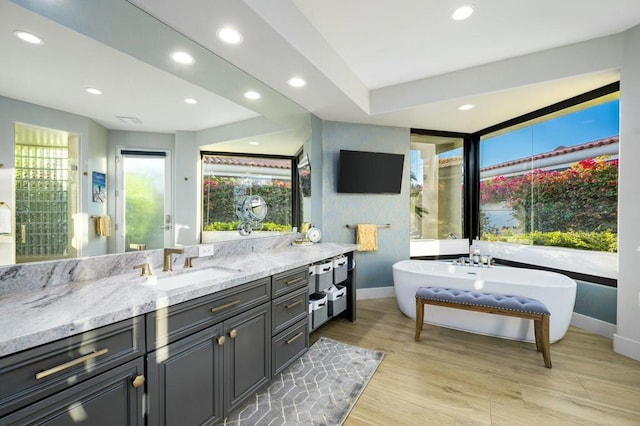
[[252, 95], [462, 13], [297, 82], [191, 101], [466, 107], [230, 35], [254, 143], [28, 37], [93, 91], [182, 57]]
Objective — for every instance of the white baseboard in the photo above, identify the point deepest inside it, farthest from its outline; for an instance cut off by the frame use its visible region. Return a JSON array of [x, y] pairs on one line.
[[626, 347], [599, 327], [375, 293]]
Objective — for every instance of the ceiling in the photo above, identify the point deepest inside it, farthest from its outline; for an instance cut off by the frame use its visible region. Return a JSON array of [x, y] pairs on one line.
[[131, 88], [358, 56], [365, 61]]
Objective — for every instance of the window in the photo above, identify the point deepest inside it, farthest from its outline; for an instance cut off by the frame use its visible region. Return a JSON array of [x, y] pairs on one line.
[[227, 179], [553, 181], [436, 187]]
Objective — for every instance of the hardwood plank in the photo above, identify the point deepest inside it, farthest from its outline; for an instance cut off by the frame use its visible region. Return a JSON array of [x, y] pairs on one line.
[[454, 377], [505, 415], [615, 395], [580, 410]]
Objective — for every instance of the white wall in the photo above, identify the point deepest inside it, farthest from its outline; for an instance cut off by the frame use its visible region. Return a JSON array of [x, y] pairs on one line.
[[187, 199], [627, 338], [313, 148], [96, 161]]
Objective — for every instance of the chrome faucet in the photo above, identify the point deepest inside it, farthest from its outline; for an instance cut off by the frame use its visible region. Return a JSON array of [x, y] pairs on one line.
[[166, 256]]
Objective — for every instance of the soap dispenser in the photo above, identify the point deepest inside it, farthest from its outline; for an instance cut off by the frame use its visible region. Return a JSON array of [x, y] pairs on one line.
[[474, 252]]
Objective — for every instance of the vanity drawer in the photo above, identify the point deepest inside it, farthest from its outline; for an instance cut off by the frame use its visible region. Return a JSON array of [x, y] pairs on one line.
[[31, 375], [289, 346], [289, 309], [285, 282], [175, 322]]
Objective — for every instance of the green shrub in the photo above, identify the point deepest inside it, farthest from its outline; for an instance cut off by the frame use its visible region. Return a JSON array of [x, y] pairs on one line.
[[233, 226], [221, 193], [605, 241]]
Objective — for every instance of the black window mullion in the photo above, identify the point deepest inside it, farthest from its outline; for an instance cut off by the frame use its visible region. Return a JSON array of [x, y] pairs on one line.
[[471, 186]]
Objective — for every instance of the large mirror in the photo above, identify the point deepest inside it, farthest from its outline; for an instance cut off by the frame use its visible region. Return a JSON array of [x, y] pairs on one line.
[[151, 114]]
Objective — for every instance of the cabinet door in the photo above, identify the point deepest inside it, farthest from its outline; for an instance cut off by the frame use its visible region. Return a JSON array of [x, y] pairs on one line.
[[185, 380], [111, 398], [34, 374], [247, 354]]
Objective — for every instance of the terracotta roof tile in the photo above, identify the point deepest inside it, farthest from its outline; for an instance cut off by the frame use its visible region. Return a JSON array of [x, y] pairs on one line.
[[561, 150], [273, 163]]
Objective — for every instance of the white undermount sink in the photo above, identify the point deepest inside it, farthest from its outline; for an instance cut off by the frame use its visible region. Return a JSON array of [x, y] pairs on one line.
[[173, 281]]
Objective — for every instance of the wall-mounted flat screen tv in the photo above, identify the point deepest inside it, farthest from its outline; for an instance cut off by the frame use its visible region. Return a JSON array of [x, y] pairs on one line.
[[362, 172]]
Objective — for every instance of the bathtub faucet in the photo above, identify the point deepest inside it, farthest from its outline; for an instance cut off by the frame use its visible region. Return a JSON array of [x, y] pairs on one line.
[[484, 261]]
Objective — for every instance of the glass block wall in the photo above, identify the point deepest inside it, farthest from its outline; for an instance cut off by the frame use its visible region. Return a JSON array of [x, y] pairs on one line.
[[41, 201]]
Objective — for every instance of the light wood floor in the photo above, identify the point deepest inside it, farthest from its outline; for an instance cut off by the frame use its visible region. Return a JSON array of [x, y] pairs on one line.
[[456, 378]]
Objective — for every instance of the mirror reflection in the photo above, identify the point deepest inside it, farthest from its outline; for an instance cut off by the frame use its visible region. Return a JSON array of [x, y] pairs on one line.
[[251, 210], [46, 194], [73, 159]]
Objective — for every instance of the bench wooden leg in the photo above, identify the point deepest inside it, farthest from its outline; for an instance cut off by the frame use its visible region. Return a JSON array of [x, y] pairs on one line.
[[537, 327], [541, 328], [544, 337], [419, 317]]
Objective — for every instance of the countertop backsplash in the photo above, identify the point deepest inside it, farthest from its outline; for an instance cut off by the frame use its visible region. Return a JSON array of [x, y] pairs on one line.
[[35, 276]]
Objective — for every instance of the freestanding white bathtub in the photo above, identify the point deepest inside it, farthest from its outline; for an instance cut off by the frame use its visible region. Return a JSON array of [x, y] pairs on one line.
[[555, 290]]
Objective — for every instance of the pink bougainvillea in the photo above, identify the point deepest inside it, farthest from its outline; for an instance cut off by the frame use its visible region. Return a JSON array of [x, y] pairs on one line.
[[582, 197]]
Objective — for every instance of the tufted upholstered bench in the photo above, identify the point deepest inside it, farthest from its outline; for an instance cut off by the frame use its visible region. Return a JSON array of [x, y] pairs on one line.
[[492, 303]]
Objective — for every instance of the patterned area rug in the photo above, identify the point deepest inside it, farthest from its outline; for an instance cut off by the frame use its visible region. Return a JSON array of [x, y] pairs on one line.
[[320, 388]]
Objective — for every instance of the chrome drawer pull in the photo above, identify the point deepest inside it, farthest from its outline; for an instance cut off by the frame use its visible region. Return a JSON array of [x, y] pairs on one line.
[[225, 306], [70, 364], [297, 280], [294, 337], [296, 303]]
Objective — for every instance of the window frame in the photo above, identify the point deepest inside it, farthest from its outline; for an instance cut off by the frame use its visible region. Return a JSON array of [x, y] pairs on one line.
[[295, 190], [467, 146], [471, 201]]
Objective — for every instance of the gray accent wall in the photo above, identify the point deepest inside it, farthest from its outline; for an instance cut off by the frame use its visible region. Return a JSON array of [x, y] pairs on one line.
[[338, 210], [596, 301]]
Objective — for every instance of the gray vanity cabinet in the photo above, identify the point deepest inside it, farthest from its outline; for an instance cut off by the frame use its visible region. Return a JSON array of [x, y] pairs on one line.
[[289, 317], [95, 377], [199, 377], [185, 380], [107, 399], [247, 354]]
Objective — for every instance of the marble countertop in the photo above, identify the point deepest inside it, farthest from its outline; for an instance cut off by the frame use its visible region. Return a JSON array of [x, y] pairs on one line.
[[33, 318]]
